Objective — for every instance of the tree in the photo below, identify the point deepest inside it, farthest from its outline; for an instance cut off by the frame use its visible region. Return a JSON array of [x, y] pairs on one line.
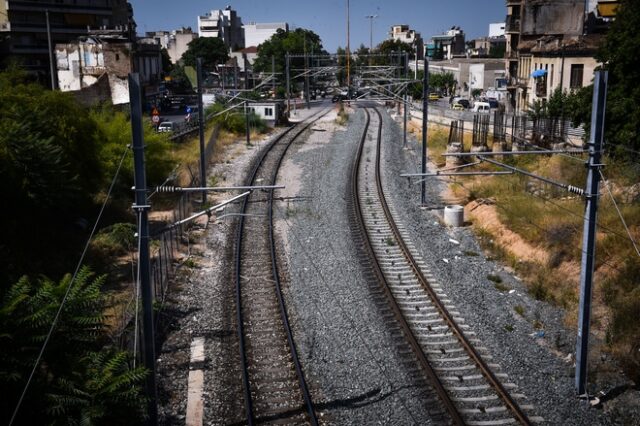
[[80, 378], [167, 65], [211, 49], [618, 53], [297, 42], [389, 49]]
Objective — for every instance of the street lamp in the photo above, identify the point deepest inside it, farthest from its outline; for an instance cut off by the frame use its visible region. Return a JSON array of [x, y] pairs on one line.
[[371, 18]]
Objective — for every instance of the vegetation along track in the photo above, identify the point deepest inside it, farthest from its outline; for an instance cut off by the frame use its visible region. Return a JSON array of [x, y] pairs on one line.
[[468, 388], [274, 385]]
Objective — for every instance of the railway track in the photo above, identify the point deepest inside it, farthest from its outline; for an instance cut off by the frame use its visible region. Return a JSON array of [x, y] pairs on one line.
[[274, 385], [470, 390]]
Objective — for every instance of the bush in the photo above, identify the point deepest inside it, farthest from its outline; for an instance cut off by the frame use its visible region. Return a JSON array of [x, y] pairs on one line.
[[235, 121], [115, 240]]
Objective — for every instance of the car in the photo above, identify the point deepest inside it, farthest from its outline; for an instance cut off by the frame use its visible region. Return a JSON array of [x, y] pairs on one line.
[[481, 107], [457, 107], [166, 126], [434, 96], [464, 102]]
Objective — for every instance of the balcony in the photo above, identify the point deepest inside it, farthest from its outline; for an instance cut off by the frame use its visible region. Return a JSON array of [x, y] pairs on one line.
[[512, 24], [88, 70]]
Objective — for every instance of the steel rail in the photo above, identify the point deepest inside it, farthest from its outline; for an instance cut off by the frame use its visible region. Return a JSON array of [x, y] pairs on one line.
[[469, 348], [377, 270], [238, 254]]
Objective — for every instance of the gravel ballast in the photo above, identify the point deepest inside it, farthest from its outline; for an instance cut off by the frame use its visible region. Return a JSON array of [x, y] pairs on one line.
[[356, 361]]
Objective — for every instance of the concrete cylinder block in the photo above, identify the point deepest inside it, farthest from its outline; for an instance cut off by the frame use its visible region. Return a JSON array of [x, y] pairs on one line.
[[454, 215]]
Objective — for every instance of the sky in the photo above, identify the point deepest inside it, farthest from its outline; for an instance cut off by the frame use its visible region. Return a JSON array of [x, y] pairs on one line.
[[328, 18]]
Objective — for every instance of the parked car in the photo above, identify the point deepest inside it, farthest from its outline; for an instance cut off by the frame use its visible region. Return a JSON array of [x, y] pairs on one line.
[[166, 126], [481, 107], [457, 107], [464, 102], [434, 96]]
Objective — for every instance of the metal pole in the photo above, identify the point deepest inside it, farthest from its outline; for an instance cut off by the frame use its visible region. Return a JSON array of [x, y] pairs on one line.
[[348, 56], [406, 101], [287, 65], [246, 115], [425, 113], [589, 236], [52, 67], [273, 75], [142, 207], [288, 84], [306, 79], [203, 166]]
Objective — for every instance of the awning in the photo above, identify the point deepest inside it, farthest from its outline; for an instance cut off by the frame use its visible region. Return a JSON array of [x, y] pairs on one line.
[[538, 73]]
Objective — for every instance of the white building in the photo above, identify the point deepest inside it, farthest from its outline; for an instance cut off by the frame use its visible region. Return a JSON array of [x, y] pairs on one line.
[[224, 24], [176, 42], [497, 29], [255, 33]]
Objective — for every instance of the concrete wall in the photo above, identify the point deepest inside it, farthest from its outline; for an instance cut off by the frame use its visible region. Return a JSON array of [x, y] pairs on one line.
[[256, 34], [542, 17], [554, 67]]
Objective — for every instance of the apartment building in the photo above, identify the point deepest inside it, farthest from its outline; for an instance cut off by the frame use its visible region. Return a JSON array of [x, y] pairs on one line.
[[550, 45], [176, 42], [257, 33], [224, 24], [24, 35]]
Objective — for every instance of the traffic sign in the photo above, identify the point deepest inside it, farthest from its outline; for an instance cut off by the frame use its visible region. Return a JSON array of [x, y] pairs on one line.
[[155, 112], [188, 110], [155, 119]]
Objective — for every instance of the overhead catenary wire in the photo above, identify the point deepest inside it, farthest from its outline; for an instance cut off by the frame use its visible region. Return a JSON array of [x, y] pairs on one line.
[[66, 294], [615, 204]]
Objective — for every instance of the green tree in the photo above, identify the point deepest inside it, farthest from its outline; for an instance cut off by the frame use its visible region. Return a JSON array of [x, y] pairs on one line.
[[80, 379], [296, 42], [389, 49], [50, 164], [618, 53], [167, 65], [211, 49]]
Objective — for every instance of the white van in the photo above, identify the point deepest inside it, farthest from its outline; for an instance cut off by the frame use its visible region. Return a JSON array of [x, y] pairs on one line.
[[481, 107], [166, 126]]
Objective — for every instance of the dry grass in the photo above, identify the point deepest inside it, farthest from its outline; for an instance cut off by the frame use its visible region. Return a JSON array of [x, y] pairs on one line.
[[550, 219]]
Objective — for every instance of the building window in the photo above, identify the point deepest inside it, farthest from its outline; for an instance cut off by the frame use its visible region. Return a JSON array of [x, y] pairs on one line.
[[551, 77], [576, 76], [268, 112]]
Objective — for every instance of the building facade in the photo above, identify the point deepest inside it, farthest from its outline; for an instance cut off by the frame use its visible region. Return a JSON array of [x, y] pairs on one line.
[[23, 27], [550, 46], [448, 45], [406, 35], [96, 67], [255, 33], [176, 42], [224, 24]]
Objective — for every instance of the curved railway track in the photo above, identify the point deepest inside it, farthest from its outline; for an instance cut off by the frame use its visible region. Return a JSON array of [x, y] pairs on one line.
[[470, 391], [274, 385]]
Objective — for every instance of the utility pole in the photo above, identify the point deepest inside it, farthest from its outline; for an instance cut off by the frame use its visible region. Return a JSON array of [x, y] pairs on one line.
[[141, 207], [425, 113], [406, 101], [589, 234], [52, 67], [371, 18], [246, 117], [306, 76], [273, 75], [348, 56], [203, 166], [287, 65]]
